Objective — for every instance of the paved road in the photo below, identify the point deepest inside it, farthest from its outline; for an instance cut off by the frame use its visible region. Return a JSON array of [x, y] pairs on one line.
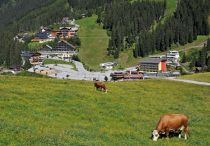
[[189, 81], [64, 71]]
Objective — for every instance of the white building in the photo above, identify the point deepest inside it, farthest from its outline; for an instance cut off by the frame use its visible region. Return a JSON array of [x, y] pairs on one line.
[[107, 65], [173, 56]]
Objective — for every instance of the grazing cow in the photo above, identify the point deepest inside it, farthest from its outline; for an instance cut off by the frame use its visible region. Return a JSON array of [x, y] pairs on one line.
[[171, 123], [100, 86]]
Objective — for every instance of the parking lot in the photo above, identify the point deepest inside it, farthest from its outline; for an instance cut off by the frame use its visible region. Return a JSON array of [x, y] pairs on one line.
[[64, 71]]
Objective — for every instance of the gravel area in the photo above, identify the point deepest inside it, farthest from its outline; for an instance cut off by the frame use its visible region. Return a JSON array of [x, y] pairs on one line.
[[64, 71]]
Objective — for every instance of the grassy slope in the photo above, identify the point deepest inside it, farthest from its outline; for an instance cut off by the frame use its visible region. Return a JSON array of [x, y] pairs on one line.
[[54, 61], [197, 44], [204, 77], [37, 111], [171, 8], [94, 42]]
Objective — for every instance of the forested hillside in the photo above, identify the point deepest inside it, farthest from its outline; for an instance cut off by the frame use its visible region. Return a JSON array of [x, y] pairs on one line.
[[126, 20], [12, 10], [189, 21], [128, 23], [24, 16]]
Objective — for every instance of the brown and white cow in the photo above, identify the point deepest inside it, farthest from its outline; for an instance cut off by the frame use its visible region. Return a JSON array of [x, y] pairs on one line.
[[100, 86], [171, 123]]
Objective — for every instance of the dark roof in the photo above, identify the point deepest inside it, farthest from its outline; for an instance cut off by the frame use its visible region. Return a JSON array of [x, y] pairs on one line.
[[152, 60], [26, 54], [42, 35], [15, 66], [36, 54], [64, 45], [46, 48], [65, 29]]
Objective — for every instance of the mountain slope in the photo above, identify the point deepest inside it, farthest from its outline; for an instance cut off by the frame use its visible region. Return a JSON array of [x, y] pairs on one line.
[[13, 10], [44, 16]]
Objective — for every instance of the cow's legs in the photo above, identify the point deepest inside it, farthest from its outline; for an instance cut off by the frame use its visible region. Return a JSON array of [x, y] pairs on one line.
[[185, 136], [186, 132], [181, 129], [167, 134], [105, 90]]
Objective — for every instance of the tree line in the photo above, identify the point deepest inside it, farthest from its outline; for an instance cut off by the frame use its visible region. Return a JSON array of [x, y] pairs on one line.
[[11, 11], [198, 58], [126, 21], [131, 23], [189, 21]]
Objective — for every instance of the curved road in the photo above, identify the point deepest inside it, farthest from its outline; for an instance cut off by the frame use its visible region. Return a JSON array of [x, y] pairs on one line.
[[65, 71], [189, 81]]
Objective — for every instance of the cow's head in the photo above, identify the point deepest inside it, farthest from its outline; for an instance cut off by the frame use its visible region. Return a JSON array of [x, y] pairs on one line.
[[155, 135]]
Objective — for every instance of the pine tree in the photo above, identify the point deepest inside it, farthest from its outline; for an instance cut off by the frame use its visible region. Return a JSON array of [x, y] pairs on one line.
[[208, 64], [208, 44], [184, 58], [192, 63]]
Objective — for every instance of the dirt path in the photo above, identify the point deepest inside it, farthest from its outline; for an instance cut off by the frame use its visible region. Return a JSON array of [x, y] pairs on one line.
[[190, 81], [197, 46]]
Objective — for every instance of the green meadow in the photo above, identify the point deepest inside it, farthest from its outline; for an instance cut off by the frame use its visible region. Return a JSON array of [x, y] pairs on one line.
[[94, 42], [54, 61], [44, 111], [203, 77]]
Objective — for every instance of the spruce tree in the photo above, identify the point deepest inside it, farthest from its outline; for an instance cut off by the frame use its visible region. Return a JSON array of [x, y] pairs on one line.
[[208, 64], [184, 58], [208, 44]]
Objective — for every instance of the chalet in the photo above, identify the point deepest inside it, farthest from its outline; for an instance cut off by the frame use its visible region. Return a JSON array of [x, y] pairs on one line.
[[62, 50], [35, 59], [42, 37], [64, 46], [63, 32], [153, 65]]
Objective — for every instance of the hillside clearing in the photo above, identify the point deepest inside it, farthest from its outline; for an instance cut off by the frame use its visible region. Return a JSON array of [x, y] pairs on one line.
[[170, 9], [94, 42], [37, 111]]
